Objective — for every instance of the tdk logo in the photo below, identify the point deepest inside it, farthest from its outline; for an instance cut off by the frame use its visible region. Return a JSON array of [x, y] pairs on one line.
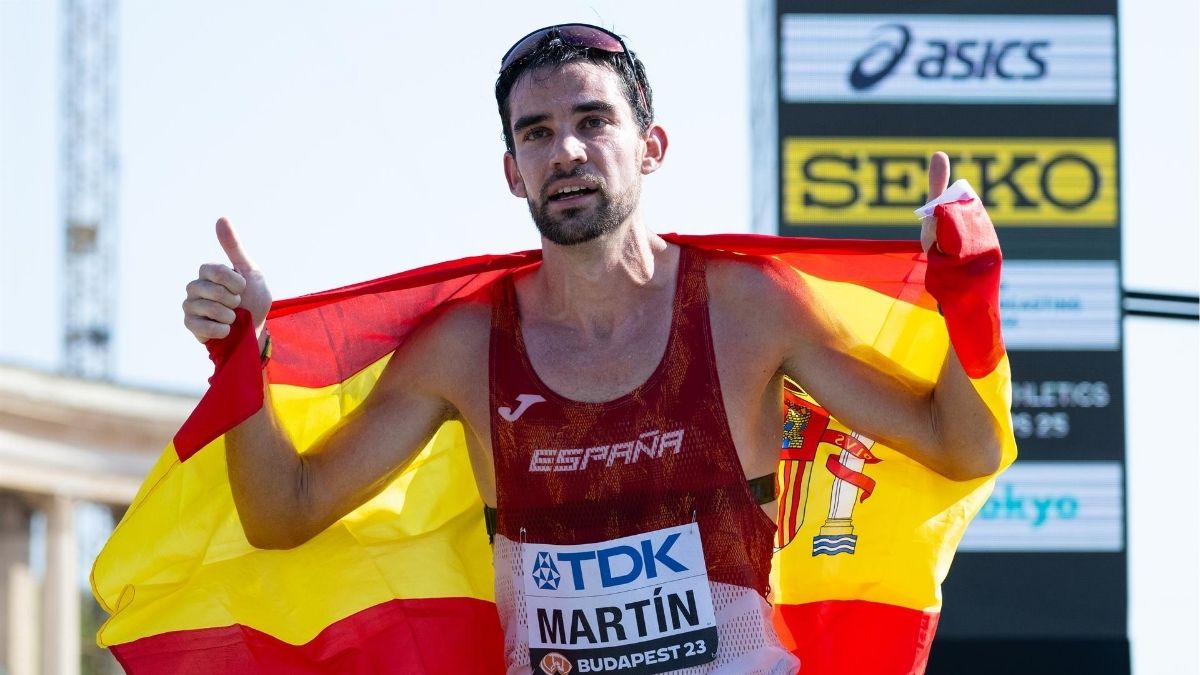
[[545, 572], [611, 566], [947, 59]]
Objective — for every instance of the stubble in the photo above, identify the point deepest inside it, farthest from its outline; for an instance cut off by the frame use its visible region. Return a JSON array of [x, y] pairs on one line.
[[573, 226]]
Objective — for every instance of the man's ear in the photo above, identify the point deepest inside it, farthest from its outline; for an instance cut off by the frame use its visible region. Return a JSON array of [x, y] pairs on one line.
[[656, 149], [512, 174]]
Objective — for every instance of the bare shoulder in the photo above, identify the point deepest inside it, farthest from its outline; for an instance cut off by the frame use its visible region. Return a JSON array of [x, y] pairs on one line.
[[447, 351], [457, 334], [788, 321], [462, 323], [762, 290], [763, 306]]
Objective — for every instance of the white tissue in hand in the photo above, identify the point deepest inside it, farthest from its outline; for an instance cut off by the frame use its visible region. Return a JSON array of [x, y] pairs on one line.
[[959, 191]]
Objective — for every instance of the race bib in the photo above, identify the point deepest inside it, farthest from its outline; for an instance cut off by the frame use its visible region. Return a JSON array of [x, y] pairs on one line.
[[636, 605]]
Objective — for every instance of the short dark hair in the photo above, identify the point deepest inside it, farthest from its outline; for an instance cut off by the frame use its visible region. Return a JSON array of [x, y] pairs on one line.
[[553, 53]]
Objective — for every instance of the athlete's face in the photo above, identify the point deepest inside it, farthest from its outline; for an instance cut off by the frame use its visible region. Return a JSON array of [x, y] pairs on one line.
[[578, 156]]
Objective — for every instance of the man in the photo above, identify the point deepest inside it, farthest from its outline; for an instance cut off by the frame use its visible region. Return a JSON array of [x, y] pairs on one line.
[[633, 386]]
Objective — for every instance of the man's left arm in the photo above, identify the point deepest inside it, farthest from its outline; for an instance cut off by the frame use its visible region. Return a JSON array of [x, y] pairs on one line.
[[946, 426]]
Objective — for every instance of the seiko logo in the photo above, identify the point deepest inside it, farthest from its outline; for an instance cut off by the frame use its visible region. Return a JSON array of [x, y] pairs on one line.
[[651, 445], [524, 401], [1043, 182], [938, 59], [1023, 180]]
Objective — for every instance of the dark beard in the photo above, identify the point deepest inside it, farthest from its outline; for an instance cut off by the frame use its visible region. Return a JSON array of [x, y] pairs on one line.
[[577, 226]]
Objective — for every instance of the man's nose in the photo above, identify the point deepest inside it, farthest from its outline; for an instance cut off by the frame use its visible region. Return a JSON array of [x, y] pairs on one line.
[[569, 149]]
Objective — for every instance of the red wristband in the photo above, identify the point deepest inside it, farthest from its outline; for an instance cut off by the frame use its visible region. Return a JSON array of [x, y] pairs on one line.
[[964, 277]]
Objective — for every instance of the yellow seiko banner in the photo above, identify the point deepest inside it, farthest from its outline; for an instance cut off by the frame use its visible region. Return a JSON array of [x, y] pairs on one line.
[[1032, 182]]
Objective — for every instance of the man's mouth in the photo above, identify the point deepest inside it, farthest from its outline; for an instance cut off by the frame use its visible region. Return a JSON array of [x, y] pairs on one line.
[[574, 193]]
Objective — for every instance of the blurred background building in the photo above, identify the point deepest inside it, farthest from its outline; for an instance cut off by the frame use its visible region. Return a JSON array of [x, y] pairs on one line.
[[353, 140], [72, 454]]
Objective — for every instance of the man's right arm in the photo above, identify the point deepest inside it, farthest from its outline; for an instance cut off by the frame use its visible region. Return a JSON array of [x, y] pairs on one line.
[[284, 498]]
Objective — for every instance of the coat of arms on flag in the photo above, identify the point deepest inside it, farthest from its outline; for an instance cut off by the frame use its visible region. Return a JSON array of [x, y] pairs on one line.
[[803, 424], [806, 426]]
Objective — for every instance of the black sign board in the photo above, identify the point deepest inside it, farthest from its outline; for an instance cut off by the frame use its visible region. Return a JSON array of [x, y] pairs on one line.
[[1023, 96]]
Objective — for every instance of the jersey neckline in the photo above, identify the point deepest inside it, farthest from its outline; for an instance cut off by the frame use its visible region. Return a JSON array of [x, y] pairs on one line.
[[527, 364]]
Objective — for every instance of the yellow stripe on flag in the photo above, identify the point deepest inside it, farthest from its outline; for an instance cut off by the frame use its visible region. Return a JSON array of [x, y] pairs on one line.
[[913, 519], [422, 537]]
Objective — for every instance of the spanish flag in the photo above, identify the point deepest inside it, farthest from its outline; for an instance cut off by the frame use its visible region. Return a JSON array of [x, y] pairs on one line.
[[404, 583]]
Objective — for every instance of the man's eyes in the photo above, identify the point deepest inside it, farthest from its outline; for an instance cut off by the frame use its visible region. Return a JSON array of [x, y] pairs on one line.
[[536, 133]]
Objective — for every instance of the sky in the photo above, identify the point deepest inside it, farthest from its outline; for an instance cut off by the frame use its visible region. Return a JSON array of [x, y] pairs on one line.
[[351, 140], [344, 143]]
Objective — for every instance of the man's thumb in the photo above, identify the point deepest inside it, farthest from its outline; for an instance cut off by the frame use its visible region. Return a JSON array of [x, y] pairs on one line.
[[939, 173], [233, 246]]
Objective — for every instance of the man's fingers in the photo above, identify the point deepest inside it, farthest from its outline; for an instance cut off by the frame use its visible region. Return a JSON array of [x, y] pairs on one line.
[[223, 275], [208, 290], [208, 309], [233, 246], [220, 289], [205, 329], [939, 173]]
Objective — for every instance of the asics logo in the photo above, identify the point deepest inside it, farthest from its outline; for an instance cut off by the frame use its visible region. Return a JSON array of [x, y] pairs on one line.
[[524, 401]]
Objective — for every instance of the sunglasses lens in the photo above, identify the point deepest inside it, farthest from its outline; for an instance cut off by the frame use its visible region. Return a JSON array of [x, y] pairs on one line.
[[576, 35], [586, 36], [522, 48]]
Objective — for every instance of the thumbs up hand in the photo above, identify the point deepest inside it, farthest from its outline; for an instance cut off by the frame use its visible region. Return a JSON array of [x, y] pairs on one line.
[[220, 289], [939, 178]]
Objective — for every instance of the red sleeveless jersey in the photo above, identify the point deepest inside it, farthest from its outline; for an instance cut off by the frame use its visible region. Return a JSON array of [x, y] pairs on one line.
[[569, 472]]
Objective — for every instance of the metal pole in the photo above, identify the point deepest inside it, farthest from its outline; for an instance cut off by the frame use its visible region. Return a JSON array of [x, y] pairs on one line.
[[89, 166]]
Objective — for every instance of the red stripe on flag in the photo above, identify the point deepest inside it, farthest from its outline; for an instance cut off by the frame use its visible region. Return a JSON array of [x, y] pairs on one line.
[[785, 509], [796, 496], [838, 637], [372, 317], [427, 636], [324, 338]]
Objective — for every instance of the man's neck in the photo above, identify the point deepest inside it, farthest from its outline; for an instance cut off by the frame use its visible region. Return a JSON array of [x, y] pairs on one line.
[[595, 285]]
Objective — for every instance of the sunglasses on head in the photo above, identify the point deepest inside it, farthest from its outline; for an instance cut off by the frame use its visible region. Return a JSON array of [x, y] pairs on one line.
[[575, 35]]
